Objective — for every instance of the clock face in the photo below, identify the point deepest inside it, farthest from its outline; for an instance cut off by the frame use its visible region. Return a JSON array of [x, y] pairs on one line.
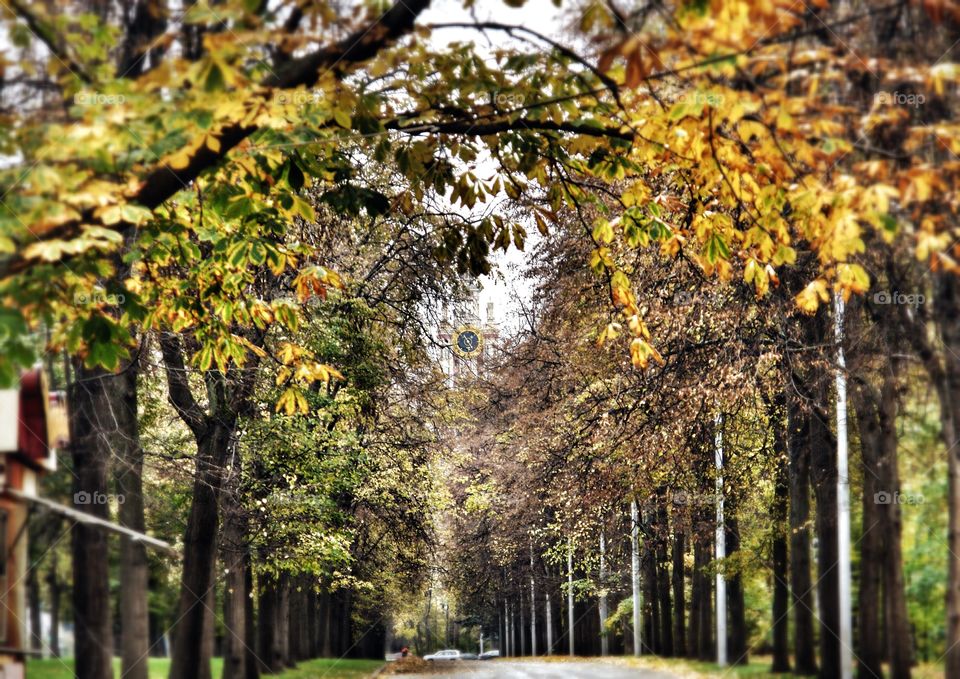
[[468, 342]]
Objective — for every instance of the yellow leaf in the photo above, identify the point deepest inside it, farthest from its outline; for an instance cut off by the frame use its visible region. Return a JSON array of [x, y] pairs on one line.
[[808, 300], [289, 353], [179, 160], [292, 401], [641, 352], [610, 332], [638, 353], [851, 278]]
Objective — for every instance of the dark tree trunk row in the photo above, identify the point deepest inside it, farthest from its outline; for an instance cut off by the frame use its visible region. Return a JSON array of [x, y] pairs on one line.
[[295, 623], [882, 605], [941, 359]]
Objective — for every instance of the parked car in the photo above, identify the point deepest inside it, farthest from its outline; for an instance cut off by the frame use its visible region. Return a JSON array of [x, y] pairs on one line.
[[446, 654], [468, 656], [490, 655]]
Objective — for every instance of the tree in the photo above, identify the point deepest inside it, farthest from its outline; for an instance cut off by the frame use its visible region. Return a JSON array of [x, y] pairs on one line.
[[665, 145]]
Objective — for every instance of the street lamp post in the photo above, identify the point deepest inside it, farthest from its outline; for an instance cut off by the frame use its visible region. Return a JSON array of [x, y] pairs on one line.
[[635, 573], [570, 592], [843, 501], [721, 550]]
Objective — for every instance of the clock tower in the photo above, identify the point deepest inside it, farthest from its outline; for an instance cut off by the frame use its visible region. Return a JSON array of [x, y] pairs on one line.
[[467, 340]]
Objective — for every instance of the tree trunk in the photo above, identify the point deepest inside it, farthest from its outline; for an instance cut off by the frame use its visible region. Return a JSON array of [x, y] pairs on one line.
[[283, 622], [548, 615], [213, 428], [55, 590], [870, 646], [253, 666], [663, 575], [235, 595], [800, 583], [209, 641], [502, 629], [679, 600], [304, 624], [533, 607], [327, 624], [506, 628], [737, 636], [269, 653], [570, 619], [296, 617], [604, 612], [347, 621], [651, 609], [33, 597], [190, 658], [881, 551], [512, 629], [779, 512], [696, 598], [666, 612], [523, 627], [705, 623], [134, 568], [897, 620], [946, 379], [311, 626], [823, 466], [93, 400]]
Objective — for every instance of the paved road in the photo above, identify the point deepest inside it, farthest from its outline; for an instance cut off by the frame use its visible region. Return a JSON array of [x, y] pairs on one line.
[[506, 669]]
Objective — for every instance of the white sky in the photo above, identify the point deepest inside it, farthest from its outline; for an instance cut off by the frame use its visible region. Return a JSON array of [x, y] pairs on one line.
[[539, 15]]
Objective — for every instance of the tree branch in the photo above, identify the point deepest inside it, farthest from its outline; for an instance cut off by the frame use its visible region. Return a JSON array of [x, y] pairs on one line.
[[361, 45], [178, 388], [163, 181], [480, 128]]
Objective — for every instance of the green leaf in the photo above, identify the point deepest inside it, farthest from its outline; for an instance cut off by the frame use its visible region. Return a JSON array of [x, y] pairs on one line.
[[342, 118], [258, 253], [304, 209], [215, 79], [716, 248]]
